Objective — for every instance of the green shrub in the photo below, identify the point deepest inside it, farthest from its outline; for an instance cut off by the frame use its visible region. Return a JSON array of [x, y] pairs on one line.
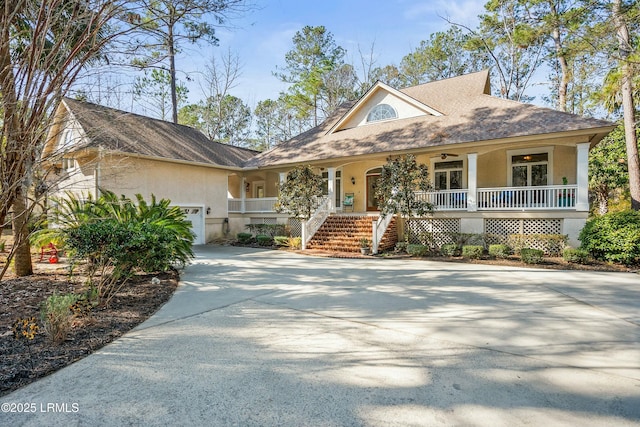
[[119, 237], [418, 250], [244, 238], [472, 251], [575, 256], [465, 239], [281, 240], [270, 230], [264, 240], [450, 250], [57, 317], [500, 251], [531, 256], [401, 247], [613, 237], [550, 244]]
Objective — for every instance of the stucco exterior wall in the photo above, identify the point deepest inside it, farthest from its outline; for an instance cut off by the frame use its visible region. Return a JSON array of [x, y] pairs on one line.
[[271, 184], [564, 164], [234, 190], [184, 185], [492, 169], [359, 172]]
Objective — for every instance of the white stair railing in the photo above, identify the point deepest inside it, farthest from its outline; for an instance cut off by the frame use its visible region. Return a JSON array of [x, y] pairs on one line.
[[379, 227], [316, 220]]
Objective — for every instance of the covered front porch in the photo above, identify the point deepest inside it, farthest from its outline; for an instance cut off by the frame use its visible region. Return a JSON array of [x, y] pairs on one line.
[[553, 177], [555, 197]]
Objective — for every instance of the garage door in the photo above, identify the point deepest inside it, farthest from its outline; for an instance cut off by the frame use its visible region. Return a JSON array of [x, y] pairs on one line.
[[195, 215]]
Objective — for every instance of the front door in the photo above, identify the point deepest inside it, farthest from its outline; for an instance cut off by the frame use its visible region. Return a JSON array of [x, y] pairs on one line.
[[372, 180], [530, 170]]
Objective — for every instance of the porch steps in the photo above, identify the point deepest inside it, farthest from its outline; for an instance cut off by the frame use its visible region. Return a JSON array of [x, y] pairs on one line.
[[342, 233]]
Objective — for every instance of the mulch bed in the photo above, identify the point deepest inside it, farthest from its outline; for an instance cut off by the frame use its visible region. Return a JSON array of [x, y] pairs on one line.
[[23, 361]]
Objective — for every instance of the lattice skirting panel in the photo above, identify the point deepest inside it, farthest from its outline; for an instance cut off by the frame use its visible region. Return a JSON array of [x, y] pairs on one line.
[[432, 231], [258, 220], [498, 229], [295, 227]]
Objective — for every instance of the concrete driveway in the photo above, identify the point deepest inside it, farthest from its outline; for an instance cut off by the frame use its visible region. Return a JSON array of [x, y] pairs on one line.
[[270, 338]]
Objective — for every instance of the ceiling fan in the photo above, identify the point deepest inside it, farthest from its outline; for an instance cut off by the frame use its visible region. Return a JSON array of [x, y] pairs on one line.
[[443, 156]]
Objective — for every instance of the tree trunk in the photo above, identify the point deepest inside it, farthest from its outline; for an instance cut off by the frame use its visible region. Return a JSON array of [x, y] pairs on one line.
[[627, 105], [172, 74], [22, 254], [561, 57], [602, 195]]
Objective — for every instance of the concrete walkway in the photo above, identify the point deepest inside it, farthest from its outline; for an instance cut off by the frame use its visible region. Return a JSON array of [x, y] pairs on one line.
[[270, 338]]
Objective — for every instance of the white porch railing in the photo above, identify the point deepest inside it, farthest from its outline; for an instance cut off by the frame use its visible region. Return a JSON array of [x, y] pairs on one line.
[[264, 204], [314, 223], [527, 198], [445, 200], [498, 198]]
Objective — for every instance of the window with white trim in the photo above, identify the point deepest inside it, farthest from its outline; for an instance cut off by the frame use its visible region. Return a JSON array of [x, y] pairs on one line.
[[381, 112], [67, 139], [448, 175], [68, 164], [530, 170], [530, 167], [338, 186]]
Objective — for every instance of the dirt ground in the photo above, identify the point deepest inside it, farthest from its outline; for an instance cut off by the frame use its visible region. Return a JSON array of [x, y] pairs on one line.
[[23, 361]]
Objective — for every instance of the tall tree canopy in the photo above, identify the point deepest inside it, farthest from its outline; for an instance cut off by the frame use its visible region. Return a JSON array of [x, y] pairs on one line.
[[513, 44], [314, 57], [171, 23], [444, 55]]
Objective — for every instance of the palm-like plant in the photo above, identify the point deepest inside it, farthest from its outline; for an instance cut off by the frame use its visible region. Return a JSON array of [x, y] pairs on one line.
[[156, 223]]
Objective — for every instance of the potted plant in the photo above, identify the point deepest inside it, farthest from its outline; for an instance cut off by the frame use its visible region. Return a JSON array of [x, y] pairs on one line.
[[365, 244], [565, 200]]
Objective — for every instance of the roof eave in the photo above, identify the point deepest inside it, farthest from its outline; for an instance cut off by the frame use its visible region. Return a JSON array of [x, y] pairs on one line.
[[594, 135]]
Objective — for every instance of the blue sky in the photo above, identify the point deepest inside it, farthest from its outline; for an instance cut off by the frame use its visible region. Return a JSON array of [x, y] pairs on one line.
[[262, 37]]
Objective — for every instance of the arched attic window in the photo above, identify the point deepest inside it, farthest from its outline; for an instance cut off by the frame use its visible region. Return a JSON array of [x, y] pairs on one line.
[[381, 112]]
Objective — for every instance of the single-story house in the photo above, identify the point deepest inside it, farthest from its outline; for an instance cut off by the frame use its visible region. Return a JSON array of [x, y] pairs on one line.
[[497, 166]]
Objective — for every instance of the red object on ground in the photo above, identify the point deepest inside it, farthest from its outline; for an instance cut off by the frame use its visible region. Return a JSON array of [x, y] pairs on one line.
[[51, 251]]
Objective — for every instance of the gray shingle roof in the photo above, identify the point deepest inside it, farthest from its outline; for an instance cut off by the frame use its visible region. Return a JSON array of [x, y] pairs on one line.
[[135, 134], [470, 115]]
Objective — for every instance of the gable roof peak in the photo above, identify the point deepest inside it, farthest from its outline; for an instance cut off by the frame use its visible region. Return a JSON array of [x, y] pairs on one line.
[[369, 94]]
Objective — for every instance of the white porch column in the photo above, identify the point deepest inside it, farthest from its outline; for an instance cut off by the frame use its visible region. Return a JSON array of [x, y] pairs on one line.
[[472, 182], [582, 177], [331, 186], [243, 194], [303, 232]]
